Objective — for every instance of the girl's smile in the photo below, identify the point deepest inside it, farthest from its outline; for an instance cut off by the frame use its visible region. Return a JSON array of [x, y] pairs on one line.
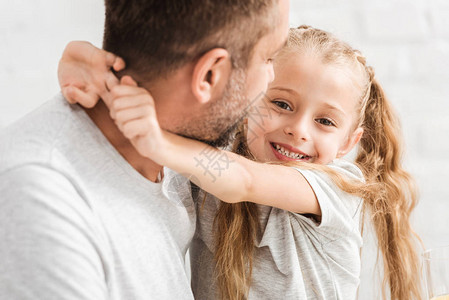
[[287, 152]]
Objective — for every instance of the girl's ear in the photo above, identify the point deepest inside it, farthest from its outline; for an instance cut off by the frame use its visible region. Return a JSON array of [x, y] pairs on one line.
[[353, 139], [210, 74]]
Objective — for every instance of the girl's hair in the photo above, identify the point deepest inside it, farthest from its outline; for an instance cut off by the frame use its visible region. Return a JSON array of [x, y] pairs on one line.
[[389, 192], [236, 230]]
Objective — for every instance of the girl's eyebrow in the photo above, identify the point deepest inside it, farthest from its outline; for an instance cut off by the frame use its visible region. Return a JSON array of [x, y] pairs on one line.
[[284, 89], [335, 108]]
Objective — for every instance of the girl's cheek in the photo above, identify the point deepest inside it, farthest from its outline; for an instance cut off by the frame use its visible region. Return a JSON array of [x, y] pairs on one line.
[[254, 132], [258, 128]]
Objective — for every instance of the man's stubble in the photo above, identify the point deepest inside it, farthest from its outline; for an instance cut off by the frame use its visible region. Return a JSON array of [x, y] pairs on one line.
[[220, 118]]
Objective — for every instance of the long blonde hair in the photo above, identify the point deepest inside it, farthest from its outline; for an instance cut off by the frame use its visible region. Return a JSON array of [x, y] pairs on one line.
[[389, 192]]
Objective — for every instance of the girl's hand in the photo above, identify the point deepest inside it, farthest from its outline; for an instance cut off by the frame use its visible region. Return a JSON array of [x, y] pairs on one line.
[[132, 109], [85, 75]]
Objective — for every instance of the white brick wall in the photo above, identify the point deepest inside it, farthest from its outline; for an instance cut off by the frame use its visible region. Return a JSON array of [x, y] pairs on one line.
[[407, 41]]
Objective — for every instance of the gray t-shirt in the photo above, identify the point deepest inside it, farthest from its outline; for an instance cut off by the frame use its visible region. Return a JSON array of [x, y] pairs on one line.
[[78, 222], [296, 258]]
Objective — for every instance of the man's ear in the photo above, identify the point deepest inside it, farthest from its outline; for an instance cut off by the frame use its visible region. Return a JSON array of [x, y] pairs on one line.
[[353, 139], [210, 74]]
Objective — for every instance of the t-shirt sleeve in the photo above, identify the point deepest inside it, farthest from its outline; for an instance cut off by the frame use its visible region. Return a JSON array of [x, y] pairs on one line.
[[47, 245], [339, 210]]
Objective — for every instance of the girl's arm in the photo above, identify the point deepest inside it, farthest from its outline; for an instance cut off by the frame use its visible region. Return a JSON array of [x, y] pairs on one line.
[[85, 75], [228, 176]]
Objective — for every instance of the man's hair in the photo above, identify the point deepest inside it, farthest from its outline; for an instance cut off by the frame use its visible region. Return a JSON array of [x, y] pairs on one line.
[[156, 37]]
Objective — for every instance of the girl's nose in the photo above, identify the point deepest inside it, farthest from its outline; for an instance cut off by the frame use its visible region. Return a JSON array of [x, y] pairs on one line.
[[298, 131]]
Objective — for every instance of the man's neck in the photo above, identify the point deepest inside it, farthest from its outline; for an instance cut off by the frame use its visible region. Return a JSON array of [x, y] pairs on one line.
[[146, 167]]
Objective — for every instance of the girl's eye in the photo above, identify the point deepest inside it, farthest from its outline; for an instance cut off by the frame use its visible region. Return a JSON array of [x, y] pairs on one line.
[[282, 105], [325, 122]]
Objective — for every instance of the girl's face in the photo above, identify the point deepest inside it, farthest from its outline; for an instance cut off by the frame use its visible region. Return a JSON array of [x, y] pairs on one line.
[[309, 113]]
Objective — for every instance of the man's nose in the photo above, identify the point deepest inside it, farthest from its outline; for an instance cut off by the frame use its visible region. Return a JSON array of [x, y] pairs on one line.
[[271, 74]]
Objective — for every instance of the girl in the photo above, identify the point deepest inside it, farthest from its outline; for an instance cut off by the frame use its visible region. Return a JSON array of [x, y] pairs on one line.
[[288, 223]]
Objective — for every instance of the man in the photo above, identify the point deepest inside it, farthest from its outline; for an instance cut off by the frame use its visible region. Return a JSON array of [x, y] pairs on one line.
[[82, 214]]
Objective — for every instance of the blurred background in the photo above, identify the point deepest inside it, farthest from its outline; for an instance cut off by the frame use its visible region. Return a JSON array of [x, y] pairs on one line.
[[407, 42]]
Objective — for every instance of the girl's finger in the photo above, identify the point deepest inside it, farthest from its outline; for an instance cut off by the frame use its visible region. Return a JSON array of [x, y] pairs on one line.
[[131, 101], [111, 81], [122, 90], [119, 64], [135, 128], [68, 93], [75, 95], [128, 80], [112, 60], [138, 112]]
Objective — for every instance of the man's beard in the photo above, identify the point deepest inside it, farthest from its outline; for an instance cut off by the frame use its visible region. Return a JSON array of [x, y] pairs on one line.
[[221, 117]]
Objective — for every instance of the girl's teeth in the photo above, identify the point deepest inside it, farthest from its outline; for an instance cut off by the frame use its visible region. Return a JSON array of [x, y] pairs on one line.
[[284, 152]]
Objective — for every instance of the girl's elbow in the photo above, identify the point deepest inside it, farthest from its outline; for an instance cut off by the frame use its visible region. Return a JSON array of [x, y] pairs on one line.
[[235, 196], [240, 189], [240, 193], [246, 189], [229, 199]]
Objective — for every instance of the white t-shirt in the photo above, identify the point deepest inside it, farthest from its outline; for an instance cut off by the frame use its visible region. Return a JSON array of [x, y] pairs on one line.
[[296, 258], [78, 222]]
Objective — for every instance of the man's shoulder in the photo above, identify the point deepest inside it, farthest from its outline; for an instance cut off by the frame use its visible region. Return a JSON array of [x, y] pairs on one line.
[[35, 175], [30, 189], [33, 138]]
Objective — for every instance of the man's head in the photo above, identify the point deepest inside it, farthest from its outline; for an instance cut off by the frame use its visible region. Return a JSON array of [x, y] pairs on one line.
[[201, 60]]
